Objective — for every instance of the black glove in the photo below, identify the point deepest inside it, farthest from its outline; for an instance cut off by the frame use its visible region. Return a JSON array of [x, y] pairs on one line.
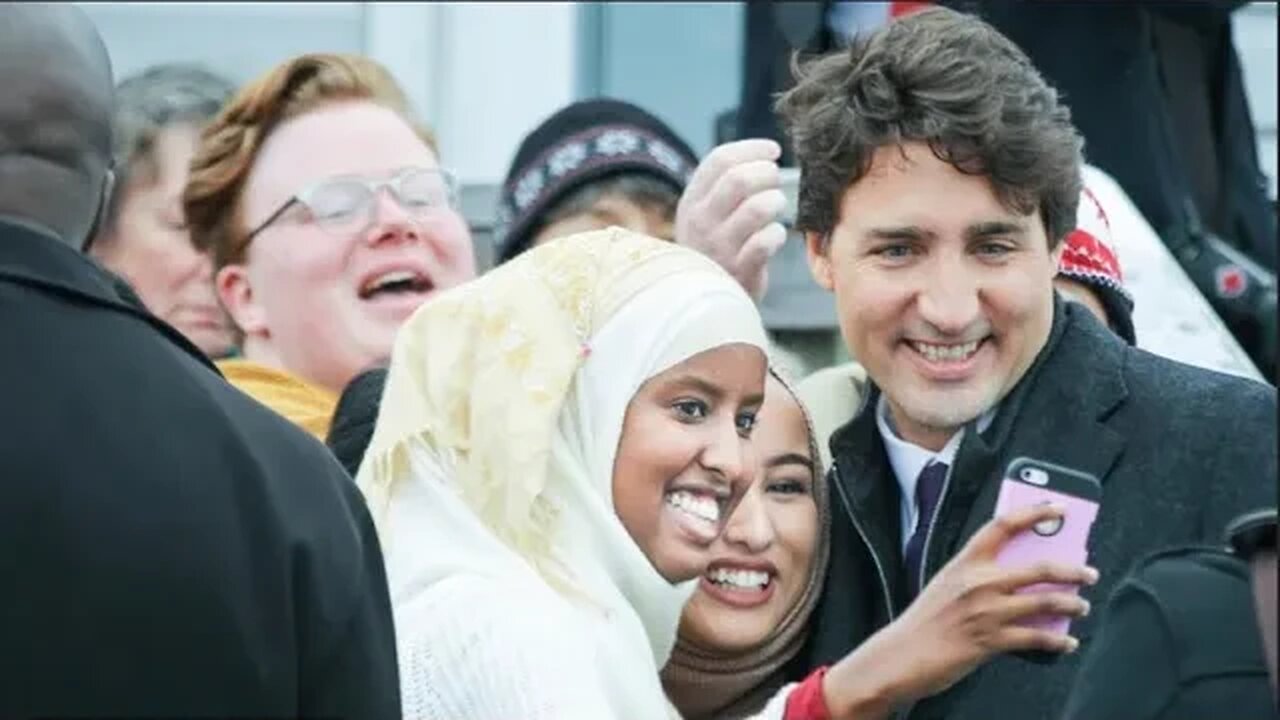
[[1241, 291]]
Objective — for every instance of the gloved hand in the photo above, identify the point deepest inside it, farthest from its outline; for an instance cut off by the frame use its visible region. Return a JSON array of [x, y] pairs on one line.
[[1241, 291], [730, 211]]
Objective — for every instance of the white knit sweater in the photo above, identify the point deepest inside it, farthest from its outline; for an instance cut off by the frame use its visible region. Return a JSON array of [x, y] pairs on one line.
[[464, 655]]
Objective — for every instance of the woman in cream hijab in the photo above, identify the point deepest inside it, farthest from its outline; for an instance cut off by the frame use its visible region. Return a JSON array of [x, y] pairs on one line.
[[557, 447]]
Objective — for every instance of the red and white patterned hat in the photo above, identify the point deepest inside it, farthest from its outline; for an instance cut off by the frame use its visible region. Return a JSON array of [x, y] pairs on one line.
[[1089, 257]]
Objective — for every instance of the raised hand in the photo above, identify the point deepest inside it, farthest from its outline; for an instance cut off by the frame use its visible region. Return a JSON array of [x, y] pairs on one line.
[[730, 210], [968, 613]]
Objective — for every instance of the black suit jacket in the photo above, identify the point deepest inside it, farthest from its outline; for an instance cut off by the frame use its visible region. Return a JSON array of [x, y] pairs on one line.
[[1180, 451], [168, 546]]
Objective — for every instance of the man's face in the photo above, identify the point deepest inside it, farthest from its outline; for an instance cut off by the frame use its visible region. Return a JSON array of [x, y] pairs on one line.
[[943, 294]]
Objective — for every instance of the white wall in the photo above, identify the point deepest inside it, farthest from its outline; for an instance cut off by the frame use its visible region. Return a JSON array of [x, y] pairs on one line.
[[1254, 28], [503, 68], [403, 37], [681, 61], [482, 74], [239, 40]]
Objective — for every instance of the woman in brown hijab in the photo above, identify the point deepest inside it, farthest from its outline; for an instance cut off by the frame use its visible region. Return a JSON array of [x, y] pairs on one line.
[[750, 614], [749, 618]]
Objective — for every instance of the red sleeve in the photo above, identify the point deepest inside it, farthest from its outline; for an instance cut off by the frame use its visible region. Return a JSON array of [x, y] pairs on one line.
[[805, 701]]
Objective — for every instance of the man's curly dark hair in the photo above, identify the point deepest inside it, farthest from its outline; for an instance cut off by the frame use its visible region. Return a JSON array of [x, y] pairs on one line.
[[945, 79]]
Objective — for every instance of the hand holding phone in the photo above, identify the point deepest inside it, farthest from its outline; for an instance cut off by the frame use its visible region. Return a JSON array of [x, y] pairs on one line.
[[1065, 540], [964, 616]]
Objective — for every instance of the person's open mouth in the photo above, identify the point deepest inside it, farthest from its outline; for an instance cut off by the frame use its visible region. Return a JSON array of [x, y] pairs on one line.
[[397, 289], [396, 282], [948, 361], [697, 511], [742, 585]]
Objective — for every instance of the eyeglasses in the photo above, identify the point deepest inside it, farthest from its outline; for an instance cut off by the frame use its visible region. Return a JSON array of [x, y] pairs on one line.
[[344, 205]]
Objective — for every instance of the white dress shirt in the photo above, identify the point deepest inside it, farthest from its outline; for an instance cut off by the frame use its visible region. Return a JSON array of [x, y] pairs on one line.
[[908, 460]]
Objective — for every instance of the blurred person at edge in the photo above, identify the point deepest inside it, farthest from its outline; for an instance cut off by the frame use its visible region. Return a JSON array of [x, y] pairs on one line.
[[1190, 633], [775, 31], [158, 117], [329, 219], [169, 547]]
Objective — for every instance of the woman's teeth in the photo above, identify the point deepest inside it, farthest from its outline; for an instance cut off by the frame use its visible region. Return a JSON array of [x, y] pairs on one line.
[[745, 579], [699, 506], [946, 353]]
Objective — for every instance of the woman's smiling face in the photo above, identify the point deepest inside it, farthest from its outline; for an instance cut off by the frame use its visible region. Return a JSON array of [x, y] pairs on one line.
[[685, 457], [761, 565]]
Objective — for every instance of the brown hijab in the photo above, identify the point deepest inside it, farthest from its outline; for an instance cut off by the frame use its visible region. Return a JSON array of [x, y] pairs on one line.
[[703, 683]]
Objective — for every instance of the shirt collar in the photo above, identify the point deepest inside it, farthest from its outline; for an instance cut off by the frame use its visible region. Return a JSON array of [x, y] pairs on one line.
[[908, 459]]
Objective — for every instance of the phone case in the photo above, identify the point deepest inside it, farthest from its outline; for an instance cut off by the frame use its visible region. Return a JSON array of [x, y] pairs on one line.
[[1065, 541]]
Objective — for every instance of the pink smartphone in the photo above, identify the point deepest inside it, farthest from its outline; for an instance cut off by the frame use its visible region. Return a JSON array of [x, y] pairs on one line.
[[1065, 540]]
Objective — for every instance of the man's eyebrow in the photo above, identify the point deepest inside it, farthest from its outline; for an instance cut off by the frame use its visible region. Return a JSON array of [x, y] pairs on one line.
[[990, 228], [900, 232]]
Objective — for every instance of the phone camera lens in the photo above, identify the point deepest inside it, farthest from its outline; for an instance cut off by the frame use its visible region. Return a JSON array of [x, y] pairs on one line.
[[1034, 476]]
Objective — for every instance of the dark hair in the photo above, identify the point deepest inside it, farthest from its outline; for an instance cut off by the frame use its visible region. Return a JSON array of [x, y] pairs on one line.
[[646, 190], [356, 413], [942, 78], [151, 101]]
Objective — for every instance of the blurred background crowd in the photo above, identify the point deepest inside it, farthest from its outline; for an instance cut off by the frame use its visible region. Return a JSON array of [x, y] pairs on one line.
[[1193, 83]]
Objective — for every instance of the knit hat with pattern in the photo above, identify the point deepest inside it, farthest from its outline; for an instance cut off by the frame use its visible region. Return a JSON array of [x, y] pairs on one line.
[[1089, 257], [584, 142]]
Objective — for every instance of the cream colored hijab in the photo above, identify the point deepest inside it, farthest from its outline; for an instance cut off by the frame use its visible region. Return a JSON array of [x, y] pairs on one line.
[[494, 447]]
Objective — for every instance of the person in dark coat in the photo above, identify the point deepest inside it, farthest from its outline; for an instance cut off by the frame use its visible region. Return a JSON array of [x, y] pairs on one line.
[[939, 176], [354, 418], [1159, 97], [168, 546], [1181, 639], [1160, 100], [776, 31]]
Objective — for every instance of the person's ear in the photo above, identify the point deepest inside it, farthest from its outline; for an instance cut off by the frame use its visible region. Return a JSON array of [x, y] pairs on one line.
[[818, 251], [101, 216], [236, 293]]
